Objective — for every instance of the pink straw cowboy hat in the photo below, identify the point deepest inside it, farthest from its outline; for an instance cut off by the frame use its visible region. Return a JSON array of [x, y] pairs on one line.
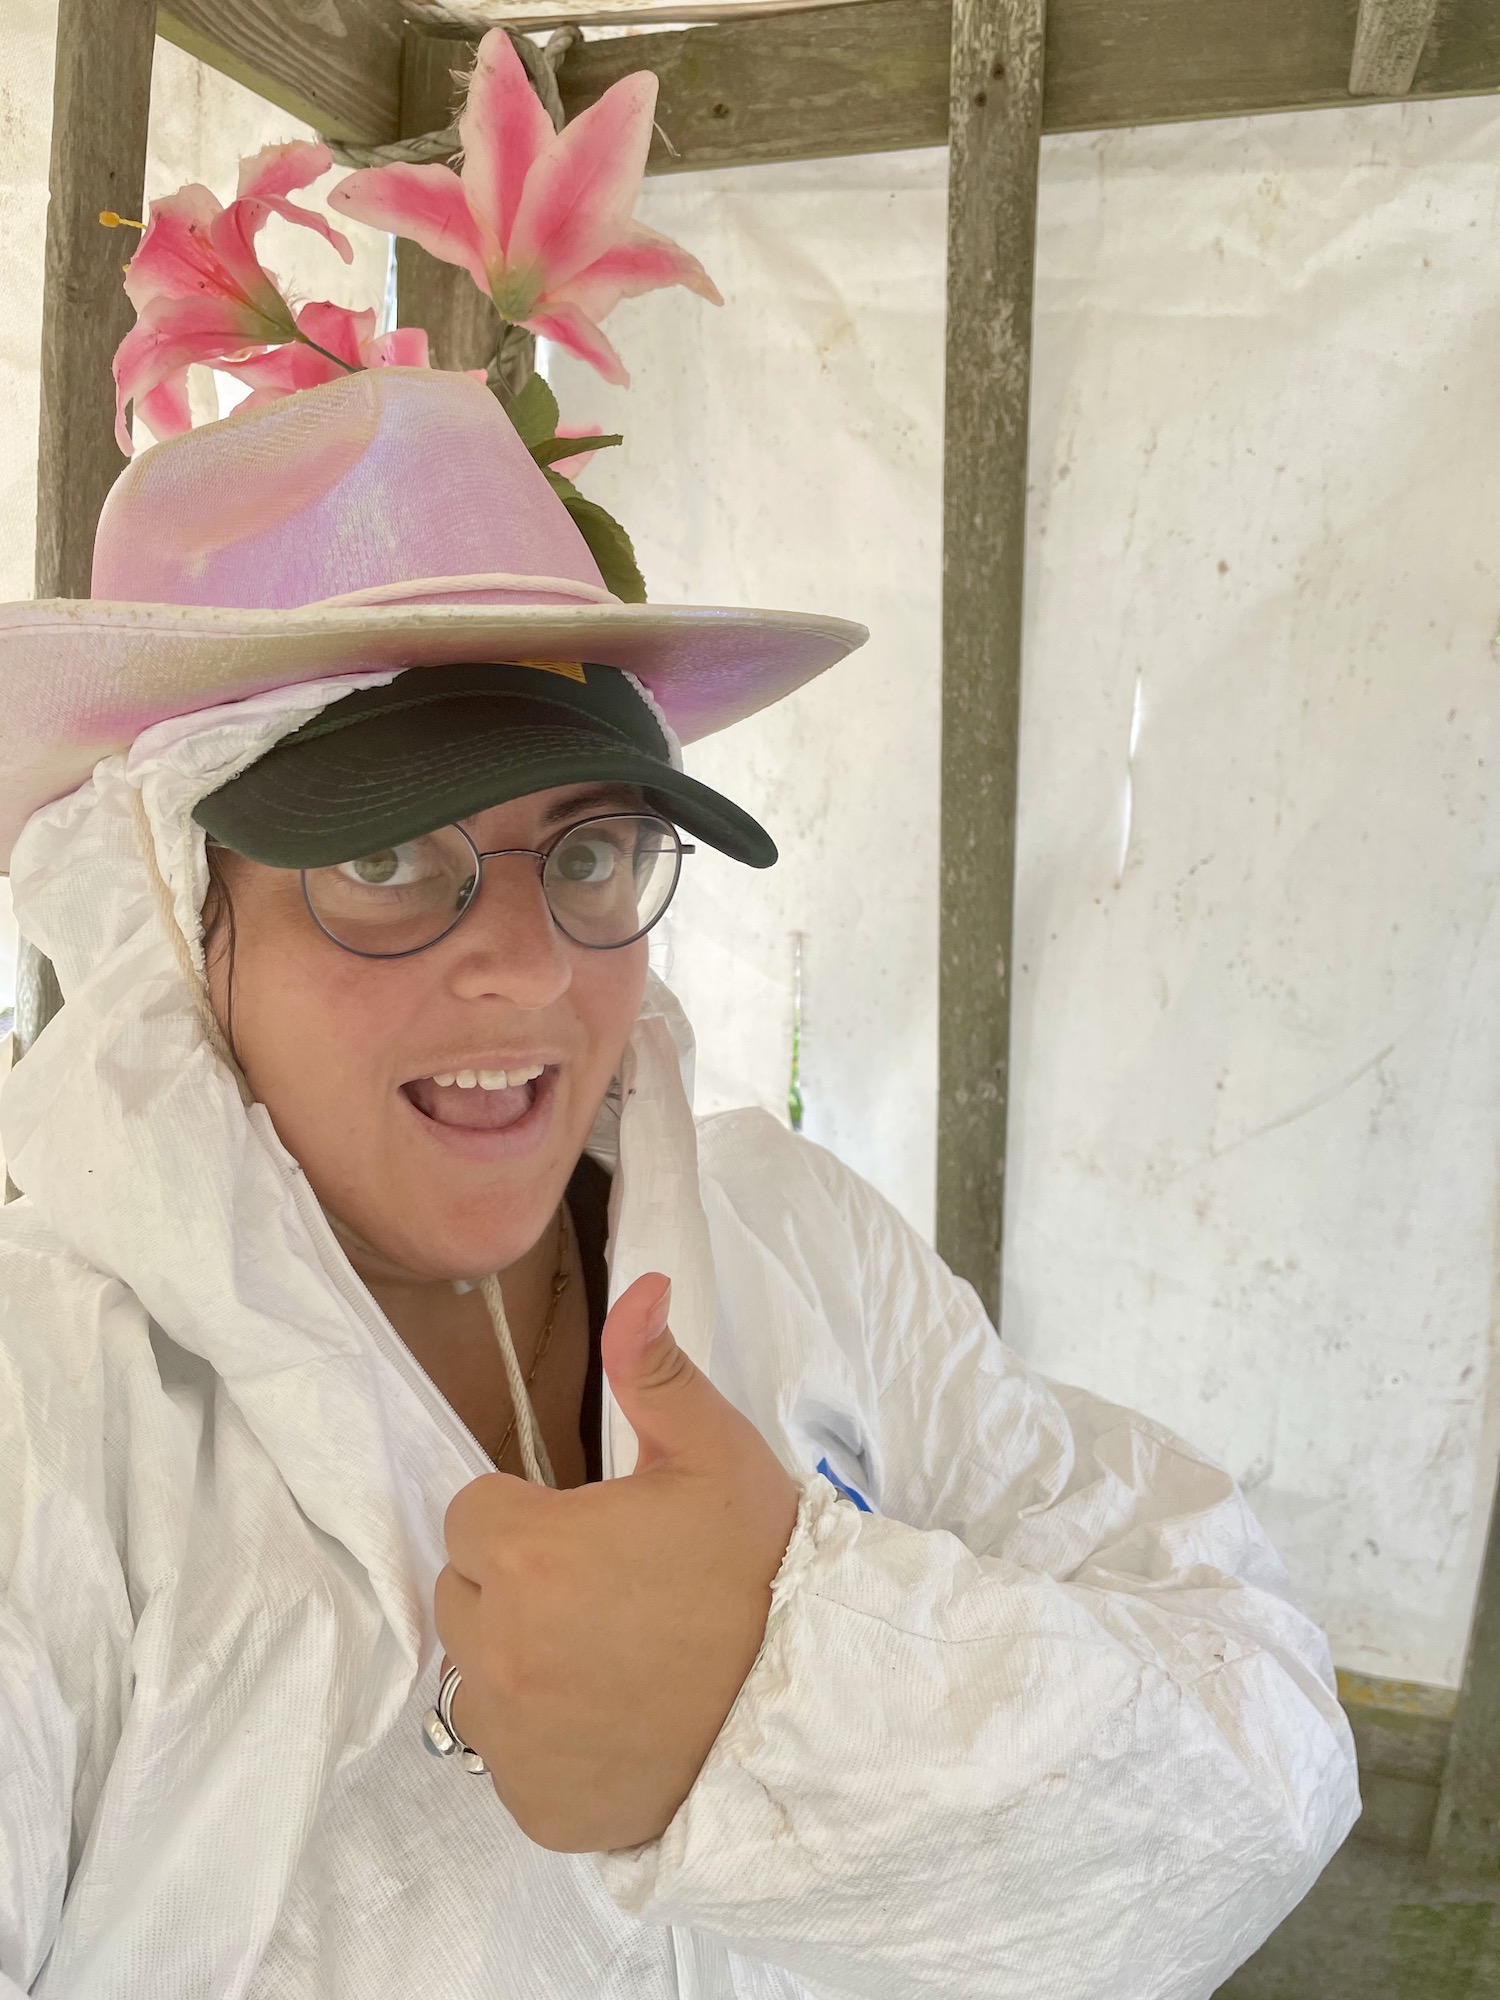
[[390, 519]]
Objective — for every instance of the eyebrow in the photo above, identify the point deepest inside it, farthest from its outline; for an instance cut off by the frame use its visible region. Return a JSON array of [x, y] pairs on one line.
[[585, 802]]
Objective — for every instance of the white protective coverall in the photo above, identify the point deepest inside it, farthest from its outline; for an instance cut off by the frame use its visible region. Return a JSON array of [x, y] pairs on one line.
[[1044, 1724]]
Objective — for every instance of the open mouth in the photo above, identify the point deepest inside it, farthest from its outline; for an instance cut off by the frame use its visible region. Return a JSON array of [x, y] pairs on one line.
[[482, 1100]]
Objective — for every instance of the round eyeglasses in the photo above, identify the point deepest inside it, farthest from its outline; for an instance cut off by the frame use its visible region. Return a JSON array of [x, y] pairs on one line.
[[606, 882]]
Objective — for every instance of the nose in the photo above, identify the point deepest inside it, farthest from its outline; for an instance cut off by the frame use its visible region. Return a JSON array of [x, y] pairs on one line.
[[507, 946]]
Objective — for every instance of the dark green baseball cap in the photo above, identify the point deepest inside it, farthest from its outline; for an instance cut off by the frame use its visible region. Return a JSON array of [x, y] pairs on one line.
[[438, 744]]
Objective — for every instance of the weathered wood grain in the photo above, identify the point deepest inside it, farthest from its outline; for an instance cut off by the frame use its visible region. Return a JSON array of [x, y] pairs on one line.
[[1388, 46], [851, 79], [995, 129], [336, 64], [1466, 1836], [101, 105], [461, 324], [875, 78]]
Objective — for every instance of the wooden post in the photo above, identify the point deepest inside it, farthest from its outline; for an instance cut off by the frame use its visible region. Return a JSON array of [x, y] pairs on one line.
[[461, 323], [995, 123], [1388, 41], [1466, 1835], [101, 101], [101, 105]]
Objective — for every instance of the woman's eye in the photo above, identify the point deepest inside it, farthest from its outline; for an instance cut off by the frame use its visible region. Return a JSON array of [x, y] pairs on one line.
[[591, 861], [391, 868]]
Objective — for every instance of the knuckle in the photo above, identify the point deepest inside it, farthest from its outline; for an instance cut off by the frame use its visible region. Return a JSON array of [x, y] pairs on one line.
[[667, 1366]]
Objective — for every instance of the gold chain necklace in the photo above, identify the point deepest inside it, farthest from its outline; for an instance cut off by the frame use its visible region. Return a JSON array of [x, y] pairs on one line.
[[544, 1338]]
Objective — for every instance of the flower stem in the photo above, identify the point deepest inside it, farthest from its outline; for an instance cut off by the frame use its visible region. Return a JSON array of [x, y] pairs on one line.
[[349, 367]]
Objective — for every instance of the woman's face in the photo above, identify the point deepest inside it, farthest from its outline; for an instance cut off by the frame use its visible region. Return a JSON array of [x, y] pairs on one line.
[[441, 1181]]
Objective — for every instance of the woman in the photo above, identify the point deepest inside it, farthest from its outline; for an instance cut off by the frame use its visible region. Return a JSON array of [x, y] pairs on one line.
[[843, 1656]]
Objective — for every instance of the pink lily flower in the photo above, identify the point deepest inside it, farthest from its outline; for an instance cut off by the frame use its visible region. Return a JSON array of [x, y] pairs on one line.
[[541, 220], [199, 290], [334, 342]]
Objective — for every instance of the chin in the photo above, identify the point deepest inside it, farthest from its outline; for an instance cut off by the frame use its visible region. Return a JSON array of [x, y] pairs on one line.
[[471, 1247]]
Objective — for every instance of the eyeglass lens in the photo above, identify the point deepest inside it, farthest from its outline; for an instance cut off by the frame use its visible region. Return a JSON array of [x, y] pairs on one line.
[[606, 881]]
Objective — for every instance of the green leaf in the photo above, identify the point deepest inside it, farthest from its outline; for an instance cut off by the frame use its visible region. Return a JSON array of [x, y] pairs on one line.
[[534, 412], [553, 448], [607, 541]]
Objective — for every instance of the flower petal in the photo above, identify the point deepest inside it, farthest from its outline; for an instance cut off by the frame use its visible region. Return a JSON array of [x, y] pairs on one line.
[[278, 170], [577, 333], [173, 255], [402, 347], [424, 204], [505, 130], [343, 332], [580, 193], [640, 262], [239, 273], [269, 176], [166, 340], [309, 218], [280, 371], [165, 408]]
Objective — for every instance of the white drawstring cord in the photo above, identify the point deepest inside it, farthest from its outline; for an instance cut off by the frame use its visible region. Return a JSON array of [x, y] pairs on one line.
[[528, 1430], [213, 1034]]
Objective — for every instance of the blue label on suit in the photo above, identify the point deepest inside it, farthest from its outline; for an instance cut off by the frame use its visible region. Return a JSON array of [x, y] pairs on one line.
[[843, 1486]]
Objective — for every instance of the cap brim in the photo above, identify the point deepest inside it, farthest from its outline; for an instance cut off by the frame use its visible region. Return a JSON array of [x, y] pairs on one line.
[[313, 803]]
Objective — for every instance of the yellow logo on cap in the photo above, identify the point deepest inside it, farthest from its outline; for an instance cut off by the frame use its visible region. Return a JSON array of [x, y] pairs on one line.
[[571, 670]]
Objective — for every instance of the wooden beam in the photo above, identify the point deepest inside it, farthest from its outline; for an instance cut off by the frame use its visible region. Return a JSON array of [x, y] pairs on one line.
[[995, 142], [1388, 46], [335, 64], [1466, 1836], [813, 83], [435, 17], [837, 79], [100, 106], [833, 81]]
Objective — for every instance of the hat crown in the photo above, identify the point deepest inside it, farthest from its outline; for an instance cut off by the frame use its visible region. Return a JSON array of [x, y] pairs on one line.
[[387, 485]]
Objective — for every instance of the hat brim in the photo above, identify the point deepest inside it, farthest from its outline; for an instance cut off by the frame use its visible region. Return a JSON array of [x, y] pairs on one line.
[[330, 798], [80, 679]]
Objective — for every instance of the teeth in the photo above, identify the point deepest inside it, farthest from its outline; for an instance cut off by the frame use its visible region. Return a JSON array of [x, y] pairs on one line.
[[489, 1079]]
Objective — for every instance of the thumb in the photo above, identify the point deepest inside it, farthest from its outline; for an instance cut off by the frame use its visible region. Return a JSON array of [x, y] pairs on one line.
[[670, 1405]]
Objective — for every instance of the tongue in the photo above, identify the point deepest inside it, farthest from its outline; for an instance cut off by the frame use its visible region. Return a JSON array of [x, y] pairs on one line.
[[475, 1110]]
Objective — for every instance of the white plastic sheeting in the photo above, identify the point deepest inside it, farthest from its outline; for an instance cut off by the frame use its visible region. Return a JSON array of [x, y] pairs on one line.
[[1257, 1044]]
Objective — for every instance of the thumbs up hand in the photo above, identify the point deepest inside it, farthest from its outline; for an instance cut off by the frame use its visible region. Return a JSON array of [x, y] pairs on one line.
[[603, 1633]]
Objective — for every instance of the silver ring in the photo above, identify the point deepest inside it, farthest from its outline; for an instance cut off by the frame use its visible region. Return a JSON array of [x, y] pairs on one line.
[[440, 1733]]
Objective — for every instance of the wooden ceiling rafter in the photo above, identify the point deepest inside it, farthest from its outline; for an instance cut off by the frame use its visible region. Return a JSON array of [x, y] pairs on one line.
[[800, 84]]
